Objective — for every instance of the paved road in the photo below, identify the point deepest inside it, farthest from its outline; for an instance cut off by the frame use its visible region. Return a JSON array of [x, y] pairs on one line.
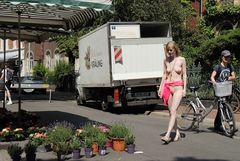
[[205, 145]]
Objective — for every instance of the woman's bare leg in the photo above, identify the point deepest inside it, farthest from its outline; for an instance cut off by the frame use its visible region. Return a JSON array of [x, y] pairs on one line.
[[176, 99]]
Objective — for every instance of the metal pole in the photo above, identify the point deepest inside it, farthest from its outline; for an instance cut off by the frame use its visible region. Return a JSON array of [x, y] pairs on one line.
[[19, 61], [4, 63], [201, 7]]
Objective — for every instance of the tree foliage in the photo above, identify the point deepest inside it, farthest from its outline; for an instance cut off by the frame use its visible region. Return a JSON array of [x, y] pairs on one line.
[[210, 49], [216, 12], [64, 74], [205, 43], [152, 10], [173, 11], [40, 70]]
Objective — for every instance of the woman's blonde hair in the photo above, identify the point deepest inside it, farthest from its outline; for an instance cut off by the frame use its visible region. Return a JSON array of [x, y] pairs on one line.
[[174, 45]]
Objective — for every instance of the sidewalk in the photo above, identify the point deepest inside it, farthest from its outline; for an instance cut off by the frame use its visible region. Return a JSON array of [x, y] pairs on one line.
[[209, 118]]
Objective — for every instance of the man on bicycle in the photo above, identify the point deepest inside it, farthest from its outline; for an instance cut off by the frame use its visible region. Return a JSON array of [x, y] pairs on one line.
[[222, 72]]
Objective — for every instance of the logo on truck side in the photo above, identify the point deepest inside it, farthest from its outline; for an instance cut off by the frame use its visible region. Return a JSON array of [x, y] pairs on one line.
[[87, 58], [94, 63]]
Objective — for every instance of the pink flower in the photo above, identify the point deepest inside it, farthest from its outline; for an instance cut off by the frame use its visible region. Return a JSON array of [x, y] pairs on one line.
[[40, 135], [103, 128]]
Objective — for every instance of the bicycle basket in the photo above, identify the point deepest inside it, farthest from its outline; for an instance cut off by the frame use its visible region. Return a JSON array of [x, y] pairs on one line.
[[223, 89]]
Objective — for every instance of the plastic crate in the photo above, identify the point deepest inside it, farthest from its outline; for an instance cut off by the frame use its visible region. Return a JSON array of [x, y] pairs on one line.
[[223, 89]]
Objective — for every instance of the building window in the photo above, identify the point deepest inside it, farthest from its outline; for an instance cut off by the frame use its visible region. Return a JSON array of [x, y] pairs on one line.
[[30, 63], [48, 59], [10, 44], [57, 56]]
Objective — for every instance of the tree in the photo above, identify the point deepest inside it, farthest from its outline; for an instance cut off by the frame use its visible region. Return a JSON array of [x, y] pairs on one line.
[[152, 10]]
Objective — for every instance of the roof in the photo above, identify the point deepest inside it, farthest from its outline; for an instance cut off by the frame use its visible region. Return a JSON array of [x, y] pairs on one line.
[[41, 19]]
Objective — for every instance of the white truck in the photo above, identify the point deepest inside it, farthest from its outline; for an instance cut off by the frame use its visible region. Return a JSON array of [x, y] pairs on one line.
[[121, 64]]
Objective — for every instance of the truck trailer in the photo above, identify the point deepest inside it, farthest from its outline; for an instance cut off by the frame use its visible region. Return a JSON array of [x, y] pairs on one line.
[[121, 64]]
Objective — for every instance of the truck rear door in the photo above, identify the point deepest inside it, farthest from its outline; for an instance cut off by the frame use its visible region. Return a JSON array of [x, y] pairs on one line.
[[138, 52]]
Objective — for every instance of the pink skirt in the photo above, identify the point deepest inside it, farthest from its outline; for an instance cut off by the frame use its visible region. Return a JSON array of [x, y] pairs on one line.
[[165, 93]]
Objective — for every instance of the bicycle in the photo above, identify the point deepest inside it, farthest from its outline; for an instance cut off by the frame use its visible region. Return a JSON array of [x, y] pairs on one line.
[[235, 98], [192, 114]]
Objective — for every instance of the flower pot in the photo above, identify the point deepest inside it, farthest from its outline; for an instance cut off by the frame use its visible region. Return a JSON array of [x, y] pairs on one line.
[[94, 148], [108, 143], [76, 154], [31, 157], [102, 151], [131, 148], [60, 156], [118, 144], [88, 152]]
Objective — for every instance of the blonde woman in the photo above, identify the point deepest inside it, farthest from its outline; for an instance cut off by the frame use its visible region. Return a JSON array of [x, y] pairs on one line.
[[173, 86]]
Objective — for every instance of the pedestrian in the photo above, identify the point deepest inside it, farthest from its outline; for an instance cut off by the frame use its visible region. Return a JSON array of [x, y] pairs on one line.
[[222, 72], [8, 74], [173, 86]]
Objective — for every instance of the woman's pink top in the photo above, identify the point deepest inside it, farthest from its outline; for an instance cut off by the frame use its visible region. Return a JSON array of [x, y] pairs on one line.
[[165, 93]]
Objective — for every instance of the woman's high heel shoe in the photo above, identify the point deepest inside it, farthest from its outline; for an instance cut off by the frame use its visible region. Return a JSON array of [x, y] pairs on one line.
[[166, 140]]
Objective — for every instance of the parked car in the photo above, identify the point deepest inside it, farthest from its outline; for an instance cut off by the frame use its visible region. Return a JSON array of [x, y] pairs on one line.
[[30, 84]]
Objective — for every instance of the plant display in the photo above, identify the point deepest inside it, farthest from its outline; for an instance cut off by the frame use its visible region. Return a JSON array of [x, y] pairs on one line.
[[18, 134], [103, 128], [60, 132], [129, 139], [15, 151], [30, 148], [88, 141], [38, 139], [89, 130], [63, 147], [9, 134], [75, 143], [119, 130], [32, 130], [101, 140]]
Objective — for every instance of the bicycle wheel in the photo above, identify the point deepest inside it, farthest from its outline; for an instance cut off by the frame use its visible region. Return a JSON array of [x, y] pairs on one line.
[[235, 103], [228, 120], [186, 116]]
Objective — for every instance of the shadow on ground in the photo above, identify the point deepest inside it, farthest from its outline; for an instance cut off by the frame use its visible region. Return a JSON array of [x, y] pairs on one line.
[[195, 159], [39, 96], [49, 117], [135, 110]]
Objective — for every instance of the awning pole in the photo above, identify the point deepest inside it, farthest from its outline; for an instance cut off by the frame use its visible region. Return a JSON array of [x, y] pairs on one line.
[[4, 63], [19, 61]]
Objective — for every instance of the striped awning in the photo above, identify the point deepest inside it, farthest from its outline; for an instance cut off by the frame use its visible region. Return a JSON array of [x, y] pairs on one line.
[[41, 19]]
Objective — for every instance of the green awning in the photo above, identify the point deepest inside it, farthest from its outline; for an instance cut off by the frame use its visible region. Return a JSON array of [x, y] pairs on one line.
[[96, 4], [41, 19]]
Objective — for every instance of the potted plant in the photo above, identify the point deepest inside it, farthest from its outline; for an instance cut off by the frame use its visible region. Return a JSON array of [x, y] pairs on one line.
[[117, 132], [88, 141], [91, 131], [60, 132], [30, 150], [101, 141], [76, 148], [62, 149], [15, 152], [40, 140], [130, 140]]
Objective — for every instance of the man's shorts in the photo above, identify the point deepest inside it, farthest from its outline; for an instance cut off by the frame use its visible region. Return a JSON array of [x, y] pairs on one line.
[[8, 85]]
